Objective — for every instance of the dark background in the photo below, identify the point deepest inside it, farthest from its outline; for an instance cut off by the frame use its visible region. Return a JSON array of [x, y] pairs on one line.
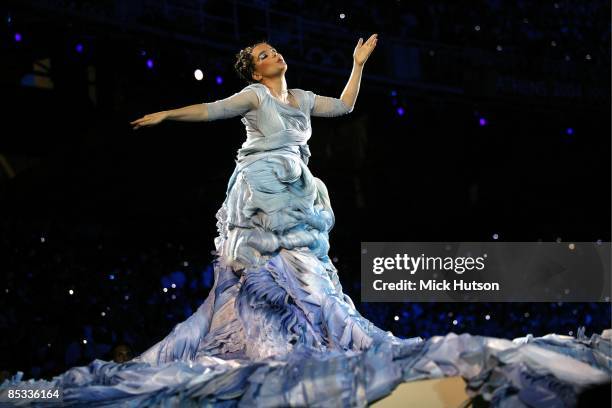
[[470, 122]]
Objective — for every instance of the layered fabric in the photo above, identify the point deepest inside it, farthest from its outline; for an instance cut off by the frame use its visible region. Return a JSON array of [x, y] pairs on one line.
[[277, 328]]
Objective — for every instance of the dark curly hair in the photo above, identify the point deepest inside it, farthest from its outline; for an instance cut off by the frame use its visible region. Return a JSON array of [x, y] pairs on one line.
[[244, 65]]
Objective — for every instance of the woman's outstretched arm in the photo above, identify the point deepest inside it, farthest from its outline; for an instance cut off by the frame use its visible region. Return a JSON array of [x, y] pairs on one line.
[[237, 104], [360, 56], [328, 106]]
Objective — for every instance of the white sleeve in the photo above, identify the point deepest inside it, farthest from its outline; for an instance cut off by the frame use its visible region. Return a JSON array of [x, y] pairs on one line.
[[237, 104], [327, 106]]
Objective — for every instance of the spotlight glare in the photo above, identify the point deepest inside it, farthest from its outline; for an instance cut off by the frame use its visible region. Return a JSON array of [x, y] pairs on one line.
[[198, 74]]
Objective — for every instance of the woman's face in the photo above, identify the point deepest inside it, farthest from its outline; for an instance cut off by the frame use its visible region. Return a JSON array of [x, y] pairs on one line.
[[268, 62]]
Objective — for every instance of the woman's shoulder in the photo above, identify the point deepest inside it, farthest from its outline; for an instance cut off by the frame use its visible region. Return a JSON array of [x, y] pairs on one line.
[[257, 88], [307, 97]]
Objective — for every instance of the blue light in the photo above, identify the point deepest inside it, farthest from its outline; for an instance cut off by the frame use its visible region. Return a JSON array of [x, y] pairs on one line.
[[179, 278], [482, 121], [150, 63], [207, 276], [176, 279], [393, 93], [17, 37], [79, 48], [111, 277], [400, 111], [219, 79], [569, 131]]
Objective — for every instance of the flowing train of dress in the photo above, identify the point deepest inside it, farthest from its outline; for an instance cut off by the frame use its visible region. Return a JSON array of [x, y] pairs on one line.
[[277, 329]]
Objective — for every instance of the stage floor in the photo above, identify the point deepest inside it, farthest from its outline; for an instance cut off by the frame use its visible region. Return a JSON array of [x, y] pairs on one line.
[[446, 392]]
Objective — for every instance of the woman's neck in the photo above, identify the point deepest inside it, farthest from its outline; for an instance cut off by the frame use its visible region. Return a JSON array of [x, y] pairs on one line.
[[277, 87]]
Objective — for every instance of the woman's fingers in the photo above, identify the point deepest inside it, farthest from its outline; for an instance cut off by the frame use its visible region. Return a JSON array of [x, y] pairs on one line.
[[139, 120], [370, 41], [139, 123], [144, 121], [149, 120]]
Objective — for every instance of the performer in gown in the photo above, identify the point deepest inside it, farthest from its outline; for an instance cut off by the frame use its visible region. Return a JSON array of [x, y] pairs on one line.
[[276, 328]]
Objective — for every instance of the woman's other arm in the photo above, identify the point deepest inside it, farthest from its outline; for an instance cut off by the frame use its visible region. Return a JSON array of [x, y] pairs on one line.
[[328, 106], [360, 56], [237, 104]]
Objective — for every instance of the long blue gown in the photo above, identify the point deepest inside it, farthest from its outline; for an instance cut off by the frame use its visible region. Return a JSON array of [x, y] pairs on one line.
[[277, 329]]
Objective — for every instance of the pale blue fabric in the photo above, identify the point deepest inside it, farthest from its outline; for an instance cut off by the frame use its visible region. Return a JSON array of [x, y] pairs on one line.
[[277, 330]]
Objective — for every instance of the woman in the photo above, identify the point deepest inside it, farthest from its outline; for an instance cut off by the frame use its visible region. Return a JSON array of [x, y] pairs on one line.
[[275, 285], [276, 328]]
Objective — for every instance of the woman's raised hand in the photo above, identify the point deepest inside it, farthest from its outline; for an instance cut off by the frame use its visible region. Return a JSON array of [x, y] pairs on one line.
[[363, 50], [149, 120]]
